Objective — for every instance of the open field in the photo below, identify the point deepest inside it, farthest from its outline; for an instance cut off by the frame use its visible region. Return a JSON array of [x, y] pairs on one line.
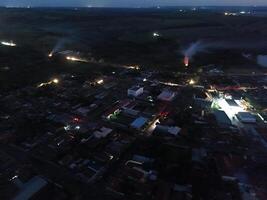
[[119, 36]]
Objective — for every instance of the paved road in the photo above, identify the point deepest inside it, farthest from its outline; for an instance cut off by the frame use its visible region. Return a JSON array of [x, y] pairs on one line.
[[249, 130]]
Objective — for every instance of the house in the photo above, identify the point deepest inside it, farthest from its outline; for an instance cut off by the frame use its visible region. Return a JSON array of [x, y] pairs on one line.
[[135, 91], [102, 133], [246, 117], [167, 130], [167, 95], [30, 188], [139, 122]]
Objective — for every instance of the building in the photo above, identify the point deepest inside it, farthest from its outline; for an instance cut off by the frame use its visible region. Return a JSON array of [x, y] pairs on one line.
[[102, 133], [246, 117], [135, 91], [222, 119], [167, 130], [231, 103], [29, 189], [262, 60], [139, 122], [167, 95]]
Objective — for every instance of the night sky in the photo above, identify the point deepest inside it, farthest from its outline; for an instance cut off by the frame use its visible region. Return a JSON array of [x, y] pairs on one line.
[[129, 3]]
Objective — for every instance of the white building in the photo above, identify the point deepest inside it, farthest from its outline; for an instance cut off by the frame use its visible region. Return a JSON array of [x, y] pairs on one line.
[[135, 91]]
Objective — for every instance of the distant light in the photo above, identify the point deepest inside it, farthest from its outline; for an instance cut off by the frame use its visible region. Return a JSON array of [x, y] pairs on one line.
[[136, 67], [14, 177], [262, 118], [230, 14], [50, 55], [101, 81], [56, 81], [192, 82], [77, 127], [231, 111], [144, 79], [75, 59], [72, 58], [186, 61], [242, 12], [67, 128], [41, 85], [156, 34], [76, 119], [11, 44]]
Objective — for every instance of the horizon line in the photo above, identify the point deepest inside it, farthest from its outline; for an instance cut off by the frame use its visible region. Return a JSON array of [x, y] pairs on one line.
[[133, 7]]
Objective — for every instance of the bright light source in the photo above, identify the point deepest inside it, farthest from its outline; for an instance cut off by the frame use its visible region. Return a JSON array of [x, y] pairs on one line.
[[76, 119], [101, 81], [11, 44], [67, 128], [144, 79], [14, 177], [56, 81], [75, 59], [153, 126], [41, 85], [192, 82], [230, 111], [156, 34], [186, 61], [71, 58], [77, 127], [50, 55], [133, 67]]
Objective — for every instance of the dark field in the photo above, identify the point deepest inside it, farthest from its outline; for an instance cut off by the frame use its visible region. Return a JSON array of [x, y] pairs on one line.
[[119, 36]]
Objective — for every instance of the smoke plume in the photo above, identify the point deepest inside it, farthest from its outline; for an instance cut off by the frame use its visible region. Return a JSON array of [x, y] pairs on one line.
[[206, 46]]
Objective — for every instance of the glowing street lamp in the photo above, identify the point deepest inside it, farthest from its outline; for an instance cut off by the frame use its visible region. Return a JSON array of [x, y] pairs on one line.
[[56, 81], [101, 81], [192, 82]]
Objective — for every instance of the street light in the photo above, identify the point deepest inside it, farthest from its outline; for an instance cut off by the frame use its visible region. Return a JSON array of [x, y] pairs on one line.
[[192, 82], [56, 81]]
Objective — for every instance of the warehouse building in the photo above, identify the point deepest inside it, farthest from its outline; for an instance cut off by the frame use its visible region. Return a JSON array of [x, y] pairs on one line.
[[246, 117]]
